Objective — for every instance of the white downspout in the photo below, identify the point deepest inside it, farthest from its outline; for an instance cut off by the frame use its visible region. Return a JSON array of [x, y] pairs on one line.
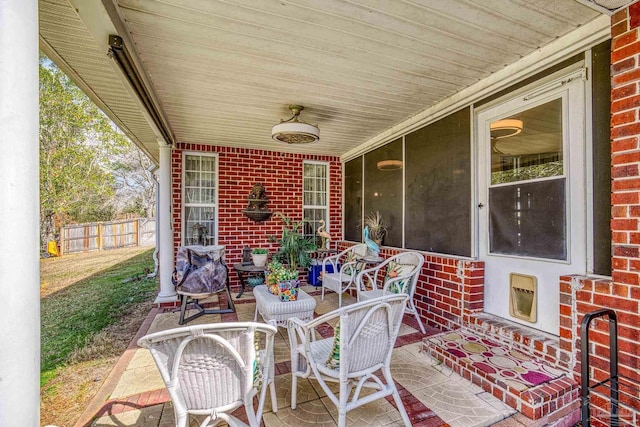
[[163, 218], [19, 215]]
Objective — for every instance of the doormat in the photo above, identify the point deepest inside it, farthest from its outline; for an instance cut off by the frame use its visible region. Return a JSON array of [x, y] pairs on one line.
[[509, 366]]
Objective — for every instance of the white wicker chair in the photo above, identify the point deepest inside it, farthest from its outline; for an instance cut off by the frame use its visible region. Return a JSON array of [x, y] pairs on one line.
[[210, 370], [376, 281], [368, 331], [344, 270]]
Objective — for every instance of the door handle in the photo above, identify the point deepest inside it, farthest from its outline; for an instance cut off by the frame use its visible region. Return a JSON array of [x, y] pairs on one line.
[[480, 205]]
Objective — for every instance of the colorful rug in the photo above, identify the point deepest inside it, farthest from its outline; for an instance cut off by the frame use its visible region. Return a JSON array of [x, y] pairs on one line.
[[509, 366]]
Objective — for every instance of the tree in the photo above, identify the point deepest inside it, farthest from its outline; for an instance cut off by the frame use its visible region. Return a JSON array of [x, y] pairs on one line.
[[89, 170]]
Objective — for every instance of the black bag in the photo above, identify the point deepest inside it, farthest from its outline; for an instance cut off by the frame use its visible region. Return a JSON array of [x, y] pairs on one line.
[[199, 272]]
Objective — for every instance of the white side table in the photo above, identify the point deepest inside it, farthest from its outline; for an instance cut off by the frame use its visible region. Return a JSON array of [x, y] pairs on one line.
[[271, 308]]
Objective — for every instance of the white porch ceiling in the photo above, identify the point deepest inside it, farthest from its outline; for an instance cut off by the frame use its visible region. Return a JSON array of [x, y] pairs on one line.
[[223, 72]]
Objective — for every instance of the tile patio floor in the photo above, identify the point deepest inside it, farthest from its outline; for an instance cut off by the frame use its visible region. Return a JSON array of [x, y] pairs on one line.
[[134, 394]]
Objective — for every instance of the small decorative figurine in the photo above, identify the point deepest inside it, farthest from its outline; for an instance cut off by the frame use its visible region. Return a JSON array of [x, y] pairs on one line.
[[324, 236], [373, 250]]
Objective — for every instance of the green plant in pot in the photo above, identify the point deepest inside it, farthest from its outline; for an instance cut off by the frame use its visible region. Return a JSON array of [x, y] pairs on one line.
[[376, 226], [259, 256], [278, 274], [294, 248]]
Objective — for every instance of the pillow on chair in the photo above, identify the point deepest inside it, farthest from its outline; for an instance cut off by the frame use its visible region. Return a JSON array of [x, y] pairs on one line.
[[394, 270], [354, 269], [333, 362]]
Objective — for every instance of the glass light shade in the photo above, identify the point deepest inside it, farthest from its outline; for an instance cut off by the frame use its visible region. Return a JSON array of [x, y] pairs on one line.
[[505, 128], [295, 132], [389, 165]]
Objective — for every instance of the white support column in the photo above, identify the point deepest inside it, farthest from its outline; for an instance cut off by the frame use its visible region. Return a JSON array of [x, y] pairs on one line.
[[167, 290], [19, 223]]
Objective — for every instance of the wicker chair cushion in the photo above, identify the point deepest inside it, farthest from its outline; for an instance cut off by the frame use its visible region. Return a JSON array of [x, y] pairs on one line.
[[352, 270], [333, 362], [394, 270]]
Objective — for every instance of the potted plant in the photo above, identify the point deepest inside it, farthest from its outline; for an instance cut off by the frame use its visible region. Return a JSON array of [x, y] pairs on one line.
[[259, 256], [282, 281], [294, 248], [376, 226]]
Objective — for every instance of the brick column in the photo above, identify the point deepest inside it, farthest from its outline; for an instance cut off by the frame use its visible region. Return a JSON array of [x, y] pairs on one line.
[[625, 150]]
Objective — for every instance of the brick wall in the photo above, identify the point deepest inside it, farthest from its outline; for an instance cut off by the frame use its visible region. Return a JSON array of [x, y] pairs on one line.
[[581, 295], [239, 169]]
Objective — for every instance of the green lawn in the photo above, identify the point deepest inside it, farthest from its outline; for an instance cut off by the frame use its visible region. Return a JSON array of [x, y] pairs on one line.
[[75, 316]]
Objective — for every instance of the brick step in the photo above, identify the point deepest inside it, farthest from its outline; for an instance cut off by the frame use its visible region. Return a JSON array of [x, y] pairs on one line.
[[541, 345], [555, 402]]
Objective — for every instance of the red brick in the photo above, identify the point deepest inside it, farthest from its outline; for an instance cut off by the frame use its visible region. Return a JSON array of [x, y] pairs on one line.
[[624, 170], [625, 277], [624, 65], [625, 77], [625, 184], [624, 224], [619, 16], [626, 51], [619, 263], [619, 212], [631, 198], [634, 16], [624, 40], [624, 117], [625, 251], [629, 129]]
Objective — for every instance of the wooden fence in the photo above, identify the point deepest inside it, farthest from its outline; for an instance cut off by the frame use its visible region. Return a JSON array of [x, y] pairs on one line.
[[98, 236]]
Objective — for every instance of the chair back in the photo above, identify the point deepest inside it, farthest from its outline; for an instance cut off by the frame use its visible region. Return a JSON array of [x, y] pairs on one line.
[[368, 331], [408, 266], [209, 367], [347, 258]]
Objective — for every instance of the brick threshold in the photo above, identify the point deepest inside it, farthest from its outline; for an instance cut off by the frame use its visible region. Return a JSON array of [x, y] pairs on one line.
[[554, 403]]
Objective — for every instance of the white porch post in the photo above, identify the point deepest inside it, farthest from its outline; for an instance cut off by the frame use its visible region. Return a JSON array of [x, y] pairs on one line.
[[167, 290], [19, 223]]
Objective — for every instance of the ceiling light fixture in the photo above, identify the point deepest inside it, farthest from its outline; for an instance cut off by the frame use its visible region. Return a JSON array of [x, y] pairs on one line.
[[294, 131], [505, 128], [389, 165]]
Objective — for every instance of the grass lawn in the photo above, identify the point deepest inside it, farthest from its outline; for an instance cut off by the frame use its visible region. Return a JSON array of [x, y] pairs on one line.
[[91, 307]]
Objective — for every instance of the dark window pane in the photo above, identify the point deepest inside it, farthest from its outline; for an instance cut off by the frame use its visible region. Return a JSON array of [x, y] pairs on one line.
[[353, 199], [383, 189], [438, 186], [529, 220]]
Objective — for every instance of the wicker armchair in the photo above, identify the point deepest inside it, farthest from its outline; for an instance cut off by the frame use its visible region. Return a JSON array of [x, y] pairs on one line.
[[211, 370], [343, 269], [361, 348], [397, 274]]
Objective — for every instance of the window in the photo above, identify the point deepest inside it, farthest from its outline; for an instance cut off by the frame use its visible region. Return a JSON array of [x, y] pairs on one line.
[[315, 197], [200, 178], [426, 202]]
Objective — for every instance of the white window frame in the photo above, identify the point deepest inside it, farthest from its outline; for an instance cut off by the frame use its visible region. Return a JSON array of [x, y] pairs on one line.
[[214, 205], [327, 194]]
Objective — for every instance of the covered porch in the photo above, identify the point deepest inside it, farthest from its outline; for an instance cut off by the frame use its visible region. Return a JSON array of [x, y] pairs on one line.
[[419, 86]]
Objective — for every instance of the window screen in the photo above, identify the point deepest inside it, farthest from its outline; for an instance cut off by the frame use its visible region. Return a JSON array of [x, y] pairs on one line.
[[438, 186], [383, 189], [353, 200]]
